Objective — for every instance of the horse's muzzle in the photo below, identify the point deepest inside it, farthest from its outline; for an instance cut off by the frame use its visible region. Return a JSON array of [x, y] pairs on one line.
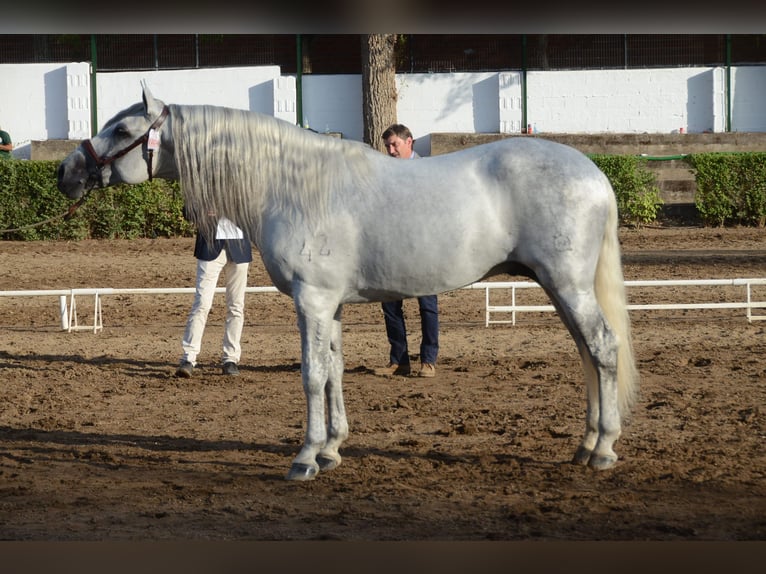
[[74, 177]]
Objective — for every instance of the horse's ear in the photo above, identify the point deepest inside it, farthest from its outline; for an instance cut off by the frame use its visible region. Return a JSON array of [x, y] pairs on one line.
[[153, 107]]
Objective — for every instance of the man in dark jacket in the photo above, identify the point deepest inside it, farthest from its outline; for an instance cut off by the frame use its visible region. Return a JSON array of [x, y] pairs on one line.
[[398, 141]]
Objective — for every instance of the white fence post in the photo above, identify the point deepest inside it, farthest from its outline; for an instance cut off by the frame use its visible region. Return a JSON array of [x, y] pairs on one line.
[[63, 313]]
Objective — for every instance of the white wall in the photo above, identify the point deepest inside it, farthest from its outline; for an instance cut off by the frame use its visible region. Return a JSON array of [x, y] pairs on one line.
[[748, 99], [431, 103], [249, 88], [630, 101], [334, 104], [52, 101], [33, 101], [427, 103]]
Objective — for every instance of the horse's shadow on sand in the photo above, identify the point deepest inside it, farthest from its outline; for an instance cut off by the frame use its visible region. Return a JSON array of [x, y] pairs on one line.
[[34, 445], [145, 369], [46, 443], [134, 367]]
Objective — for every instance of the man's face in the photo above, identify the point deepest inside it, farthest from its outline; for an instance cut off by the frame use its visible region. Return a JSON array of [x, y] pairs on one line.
[[397, 147]]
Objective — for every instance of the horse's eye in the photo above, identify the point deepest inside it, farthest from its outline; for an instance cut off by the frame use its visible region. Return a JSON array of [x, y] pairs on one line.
[[120, 131]]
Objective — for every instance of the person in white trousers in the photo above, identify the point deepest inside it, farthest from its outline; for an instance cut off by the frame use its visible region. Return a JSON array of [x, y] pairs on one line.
[[231, 253]]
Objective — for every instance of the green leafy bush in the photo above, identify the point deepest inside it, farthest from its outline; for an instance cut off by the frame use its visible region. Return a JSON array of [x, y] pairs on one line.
[[29, 200], [635, 186], [32, 207], [731, 187]]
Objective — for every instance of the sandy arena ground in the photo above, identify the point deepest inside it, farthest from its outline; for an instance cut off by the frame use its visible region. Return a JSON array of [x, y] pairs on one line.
[[100, 442]]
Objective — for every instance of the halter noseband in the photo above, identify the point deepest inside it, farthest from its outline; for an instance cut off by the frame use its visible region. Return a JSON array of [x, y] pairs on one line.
[[102, 161]]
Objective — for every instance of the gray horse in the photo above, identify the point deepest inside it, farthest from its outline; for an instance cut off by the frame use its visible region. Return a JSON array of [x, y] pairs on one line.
[[337, 222]]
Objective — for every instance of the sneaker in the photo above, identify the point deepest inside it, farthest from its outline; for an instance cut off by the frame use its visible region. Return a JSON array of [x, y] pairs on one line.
[[230, 368], [393, 369], [427, 370], [185, 370]]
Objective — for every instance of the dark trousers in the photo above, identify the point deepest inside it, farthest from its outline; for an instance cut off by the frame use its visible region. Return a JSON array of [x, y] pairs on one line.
[[397, 331]]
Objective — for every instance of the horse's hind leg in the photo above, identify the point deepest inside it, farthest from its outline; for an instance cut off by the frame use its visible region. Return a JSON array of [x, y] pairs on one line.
[[583, 453], [337, 424], [597, 344]]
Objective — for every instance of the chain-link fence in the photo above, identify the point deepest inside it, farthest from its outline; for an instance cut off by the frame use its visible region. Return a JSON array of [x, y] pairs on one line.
[[341, 53]]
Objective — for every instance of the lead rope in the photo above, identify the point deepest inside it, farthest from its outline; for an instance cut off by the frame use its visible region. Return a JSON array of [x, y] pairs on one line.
[[66, 216]]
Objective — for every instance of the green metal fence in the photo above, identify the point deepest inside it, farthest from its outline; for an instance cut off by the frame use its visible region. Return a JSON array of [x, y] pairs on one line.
[[341, 53]]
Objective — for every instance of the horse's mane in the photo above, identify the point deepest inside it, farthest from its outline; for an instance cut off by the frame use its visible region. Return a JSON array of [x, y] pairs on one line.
[[240, 164]]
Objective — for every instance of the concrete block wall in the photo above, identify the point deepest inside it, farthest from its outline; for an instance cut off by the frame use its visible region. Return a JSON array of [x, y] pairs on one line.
[[632, 101], [78, 102], [246, 88], [51, 101]]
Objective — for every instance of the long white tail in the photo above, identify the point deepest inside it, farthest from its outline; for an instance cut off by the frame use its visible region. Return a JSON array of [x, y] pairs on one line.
[[610, 292]]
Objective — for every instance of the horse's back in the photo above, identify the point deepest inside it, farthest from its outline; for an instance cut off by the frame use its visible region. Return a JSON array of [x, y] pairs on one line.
[[442, 222], [528, 183], [536, 163]]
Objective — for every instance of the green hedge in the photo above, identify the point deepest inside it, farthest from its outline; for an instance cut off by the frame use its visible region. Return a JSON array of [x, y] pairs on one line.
[[635, 186], [731, 188], [33, 208]]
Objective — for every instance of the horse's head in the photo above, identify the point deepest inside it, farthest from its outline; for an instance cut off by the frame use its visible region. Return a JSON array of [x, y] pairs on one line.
[[135, 145]]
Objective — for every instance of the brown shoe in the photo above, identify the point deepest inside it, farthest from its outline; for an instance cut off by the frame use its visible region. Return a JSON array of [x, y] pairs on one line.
[[427, 370], [393, 369]]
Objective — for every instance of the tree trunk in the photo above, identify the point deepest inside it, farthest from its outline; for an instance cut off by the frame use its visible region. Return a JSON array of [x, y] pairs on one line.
[[378, 86]]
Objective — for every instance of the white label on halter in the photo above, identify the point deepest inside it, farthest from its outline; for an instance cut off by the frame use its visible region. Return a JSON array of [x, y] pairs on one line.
[[154, 140]]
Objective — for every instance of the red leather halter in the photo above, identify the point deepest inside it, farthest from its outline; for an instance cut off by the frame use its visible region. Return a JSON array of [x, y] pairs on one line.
[[102, 161]]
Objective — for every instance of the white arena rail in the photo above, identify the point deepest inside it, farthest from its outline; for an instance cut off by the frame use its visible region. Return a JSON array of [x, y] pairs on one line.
[[747, 301], [68, 311]]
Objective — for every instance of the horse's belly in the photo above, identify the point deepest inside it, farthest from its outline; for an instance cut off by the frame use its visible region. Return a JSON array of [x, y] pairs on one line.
[[431, 265]]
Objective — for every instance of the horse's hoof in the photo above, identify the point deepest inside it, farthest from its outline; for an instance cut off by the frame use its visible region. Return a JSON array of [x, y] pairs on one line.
[[602, 462], [300, 471], [581, 456], [327, 462]]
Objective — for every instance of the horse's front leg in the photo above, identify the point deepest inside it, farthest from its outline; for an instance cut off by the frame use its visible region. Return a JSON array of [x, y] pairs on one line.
[[337, 424], [315, 347], [315, 323]]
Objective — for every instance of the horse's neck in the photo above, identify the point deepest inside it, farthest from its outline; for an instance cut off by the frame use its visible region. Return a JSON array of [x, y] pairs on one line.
[[167, 167]]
